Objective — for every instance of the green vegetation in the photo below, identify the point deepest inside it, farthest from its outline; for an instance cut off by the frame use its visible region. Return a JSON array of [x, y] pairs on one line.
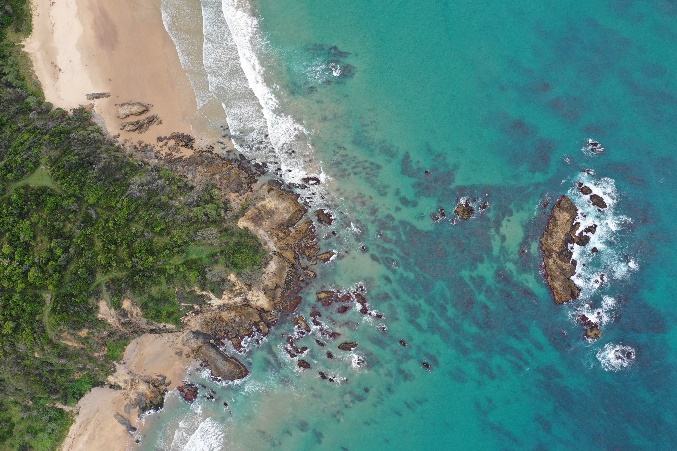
[[80, 222]]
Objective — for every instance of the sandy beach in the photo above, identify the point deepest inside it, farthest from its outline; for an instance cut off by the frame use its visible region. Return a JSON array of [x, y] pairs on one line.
[[95, 425], [80, 47]]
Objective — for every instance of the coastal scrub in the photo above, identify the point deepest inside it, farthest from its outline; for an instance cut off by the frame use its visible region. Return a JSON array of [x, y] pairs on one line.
[[83, 224]]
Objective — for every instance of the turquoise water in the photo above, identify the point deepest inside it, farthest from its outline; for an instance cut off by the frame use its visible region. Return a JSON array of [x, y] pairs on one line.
[[495, 101]]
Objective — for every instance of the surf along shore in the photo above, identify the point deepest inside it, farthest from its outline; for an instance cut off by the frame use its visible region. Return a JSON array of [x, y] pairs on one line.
[[117, 59]]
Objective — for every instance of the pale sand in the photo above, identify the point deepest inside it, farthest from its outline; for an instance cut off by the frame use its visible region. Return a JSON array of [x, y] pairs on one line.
[[95, 426], [84, 46]]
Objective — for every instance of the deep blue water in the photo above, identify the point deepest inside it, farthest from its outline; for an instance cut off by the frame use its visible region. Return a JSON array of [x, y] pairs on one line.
[[431, 102]]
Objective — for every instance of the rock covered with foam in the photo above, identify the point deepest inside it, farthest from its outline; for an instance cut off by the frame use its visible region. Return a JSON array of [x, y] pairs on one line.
[[616, 357]]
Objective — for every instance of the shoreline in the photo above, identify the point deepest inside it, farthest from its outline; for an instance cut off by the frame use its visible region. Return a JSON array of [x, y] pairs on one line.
[[101, 412], [80, 47], [122, 49]]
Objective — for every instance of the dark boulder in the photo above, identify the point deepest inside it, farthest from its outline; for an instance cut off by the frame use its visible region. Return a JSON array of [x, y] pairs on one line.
[[347, 346], [597, 201], [188, 391]]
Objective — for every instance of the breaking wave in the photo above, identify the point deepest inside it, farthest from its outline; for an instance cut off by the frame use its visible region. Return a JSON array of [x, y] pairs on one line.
[[605, 257], [230, 69], [616, 357]]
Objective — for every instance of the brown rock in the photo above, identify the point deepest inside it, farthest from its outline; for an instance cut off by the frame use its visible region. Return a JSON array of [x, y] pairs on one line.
[[294, 304], [300, 321], [188, 391], [347, 345], [222, 365], [327, 297], [141, 125], [303, 364], [324, 216], [464, 210], [132, 109], [597, 201], [593, 333], [557, 258], [585, 190], [326, 256]]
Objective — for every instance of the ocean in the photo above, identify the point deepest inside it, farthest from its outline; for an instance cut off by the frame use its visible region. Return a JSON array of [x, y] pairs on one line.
[[405, 108]]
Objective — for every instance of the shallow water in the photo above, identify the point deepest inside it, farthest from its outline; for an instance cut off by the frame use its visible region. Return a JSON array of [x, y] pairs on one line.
[[495, 102]]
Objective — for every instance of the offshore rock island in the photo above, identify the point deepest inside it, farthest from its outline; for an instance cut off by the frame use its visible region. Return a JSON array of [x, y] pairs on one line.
[[558, 262]]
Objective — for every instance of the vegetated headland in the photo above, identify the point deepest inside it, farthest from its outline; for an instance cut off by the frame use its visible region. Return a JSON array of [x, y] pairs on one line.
[[166, 245]]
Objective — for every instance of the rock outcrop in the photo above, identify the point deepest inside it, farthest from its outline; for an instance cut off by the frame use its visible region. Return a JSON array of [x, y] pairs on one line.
[[97, 95], [141, 125], [598, 201], [188, 391], [222, 365], [324, 216], [558, 263], [132, 109], [464, 210], [347, 346]]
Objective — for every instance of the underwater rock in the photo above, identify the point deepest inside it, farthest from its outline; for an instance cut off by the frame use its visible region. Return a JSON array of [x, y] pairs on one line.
[[326, 298], [558, 263]]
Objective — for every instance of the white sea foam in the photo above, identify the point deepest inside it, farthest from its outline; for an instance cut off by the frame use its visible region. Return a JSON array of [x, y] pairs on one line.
[[601, 315], [611, 262], [209, 436], [227, 80], [228, 71], [616, 357], [290, 140]]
